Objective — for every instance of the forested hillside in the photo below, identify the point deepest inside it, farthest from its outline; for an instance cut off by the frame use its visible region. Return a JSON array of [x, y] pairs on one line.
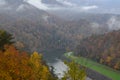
[[47, 31], [40, 29], [20, 65], [104, 49], [90, 29]]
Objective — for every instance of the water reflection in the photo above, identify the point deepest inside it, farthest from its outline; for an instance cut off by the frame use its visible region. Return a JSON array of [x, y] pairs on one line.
[[59, 68], [53, 58]]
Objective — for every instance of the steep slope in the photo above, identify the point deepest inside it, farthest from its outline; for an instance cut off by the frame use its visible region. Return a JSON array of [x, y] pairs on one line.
[[103, 49], [41, 30], [34, 25]]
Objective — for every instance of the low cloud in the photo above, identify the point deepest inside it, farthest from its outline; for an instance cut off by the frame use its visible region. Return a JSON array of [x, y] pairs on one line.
[[38, 4], [89, 7], [43, 6], [113, 23], [2, 2], [67, 3]]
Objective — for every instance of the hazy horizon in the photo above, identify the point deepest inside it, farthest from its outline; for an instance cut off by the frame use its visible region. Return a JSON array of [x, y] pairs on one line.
[[90, 6]]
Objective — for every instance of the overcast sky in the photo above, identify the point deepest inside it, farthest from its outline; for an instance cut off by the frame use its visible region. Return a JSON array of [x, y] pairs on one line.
[[100, 6], [106, 6]]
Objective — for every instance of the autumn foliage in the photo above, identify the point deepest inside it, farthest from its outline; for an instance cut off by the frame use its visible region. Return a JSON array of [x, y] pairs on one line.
[[16, 65], [104, 49], [19, 65], [75, 72]]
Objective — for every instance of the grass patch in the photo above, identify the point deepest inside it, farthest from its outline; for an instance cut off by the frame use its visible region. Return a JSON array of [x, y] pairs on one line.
[[102, 69]]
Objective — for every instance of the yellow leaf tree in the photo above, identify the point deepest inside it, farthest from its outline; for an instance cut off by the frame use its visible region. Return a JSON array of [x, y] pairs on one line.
[[75, 72]]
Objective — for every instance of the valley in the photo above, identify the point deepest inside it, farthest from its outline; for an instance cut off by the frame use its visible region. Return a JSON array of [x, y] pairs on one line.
[[90, 29]]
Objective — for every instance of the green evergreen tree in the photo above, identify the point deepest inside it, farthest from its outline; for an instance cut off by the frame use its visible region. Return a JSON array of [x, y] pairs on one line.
[[5, 39]]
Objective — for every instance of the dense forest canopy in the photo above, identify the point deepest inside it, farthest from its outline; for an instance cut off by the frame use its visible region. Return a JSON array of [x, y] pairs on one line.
[[20, 65], [56, 27], [104, 49]]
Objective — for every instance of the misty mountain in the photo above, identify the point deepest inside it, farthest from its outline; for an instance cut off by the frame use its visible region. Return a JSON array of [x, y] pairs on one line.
[[23, 10], [37, 27], [110, 21], [45, 29], [92, 27], [23, 19]]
